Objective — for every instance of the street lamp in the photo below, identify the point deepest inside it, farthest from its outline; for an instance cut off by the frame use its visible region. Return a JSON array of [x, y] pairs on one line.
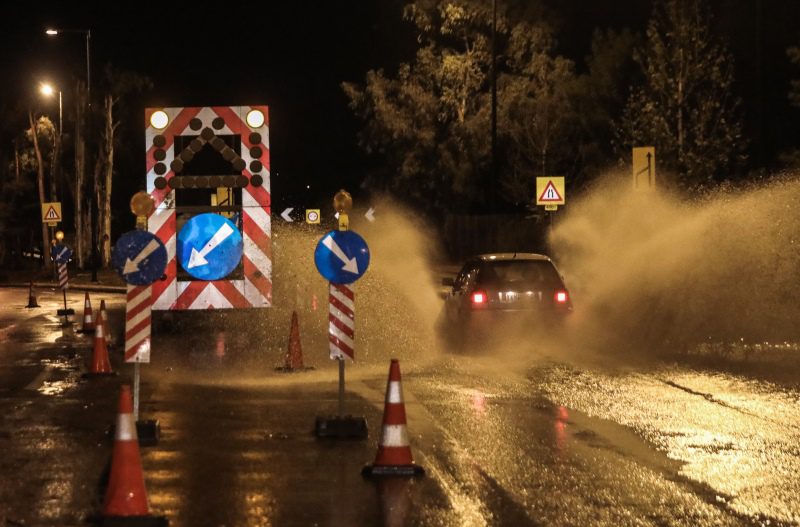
[[48, 90], [87, 33]]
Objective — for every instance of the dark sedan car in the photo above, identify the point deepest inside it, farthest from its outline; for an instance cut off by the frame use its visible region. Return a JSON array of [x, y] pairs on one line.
[[496, 293]]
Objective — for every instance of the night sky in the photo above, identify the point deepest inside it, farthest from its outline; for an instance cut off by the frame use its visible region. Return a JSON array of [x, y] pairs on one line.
[[293, 56]]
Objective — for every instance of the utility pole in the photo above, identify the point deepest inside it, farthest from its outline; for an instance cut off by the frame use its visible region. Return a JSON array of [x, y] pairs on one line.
[[493, 182]]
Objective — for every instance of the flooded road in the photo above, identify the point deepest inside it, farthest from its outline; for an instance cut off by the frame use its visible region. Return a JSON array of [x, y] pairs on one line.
[[520, 438]]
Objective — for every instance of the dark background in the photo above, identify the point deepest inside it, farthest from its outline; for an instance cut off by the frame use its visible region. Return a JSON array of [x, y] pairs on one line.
[[293, 56]]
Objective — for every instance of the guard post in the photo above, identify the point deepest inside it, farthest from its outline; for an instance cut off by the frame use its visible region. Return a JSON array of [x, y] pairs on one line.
[[342, 257], [140, 258]]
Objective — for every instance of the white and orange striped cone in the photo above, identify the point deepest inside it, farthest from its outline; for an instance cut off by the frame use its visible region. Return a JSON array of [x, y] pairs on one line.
[[394, 452], [294, 351], [126, 497], [104, 317], [31, 297], [100, 362], [88, 320]]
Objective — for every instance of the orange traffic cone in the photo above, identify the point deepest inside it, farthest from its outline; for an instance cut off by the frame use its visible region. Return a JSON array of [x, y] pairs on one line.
[[394, 453], [88, 320], [31, 297], [294, 352], [100, 363], [126, 497], [104, 317]]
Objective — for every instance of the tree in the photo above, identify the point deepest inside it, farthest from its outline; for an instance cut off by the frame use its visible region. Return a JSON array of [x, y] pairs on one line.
[[537, 111], [791, 158], [118, 83], [685, 107], [599, 100], [41, 128], [430, 123]]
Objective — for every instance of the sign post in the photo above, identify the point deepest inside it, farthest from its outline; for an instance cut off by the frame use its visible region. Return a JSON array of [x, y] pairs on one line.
[[550, 192], [342, 257], [644, 168], [140, 258], [61, 256]]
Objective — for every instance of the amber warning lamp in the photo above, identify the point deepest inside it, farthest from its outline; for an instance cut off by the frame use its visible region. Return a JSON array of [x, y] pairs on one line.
[[343, 203], [142, 205]]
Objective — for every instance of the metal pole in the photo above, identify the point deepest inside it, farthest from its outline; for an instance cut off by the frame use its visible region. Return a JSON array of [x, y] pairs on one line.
[[66, 317], [493, 183], [136, 390], [341, 386], [93, 202]]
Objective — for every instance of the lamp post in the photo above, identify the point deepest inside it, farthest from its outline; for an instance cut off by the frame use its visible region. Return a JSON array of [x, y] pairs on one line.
[[55, 171], [87, 33], [48, 90]]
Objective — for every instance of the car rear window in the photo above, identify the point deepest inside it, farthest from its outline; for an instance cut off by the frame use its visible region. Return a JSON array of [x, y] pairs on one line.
[[538, 272]]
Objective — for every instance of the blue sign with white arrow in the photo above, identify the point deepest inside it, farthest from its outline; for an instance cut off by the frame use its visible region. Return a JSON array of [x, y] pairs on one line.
[[61, 254], [139, 257], [209, 246], [342, 257]]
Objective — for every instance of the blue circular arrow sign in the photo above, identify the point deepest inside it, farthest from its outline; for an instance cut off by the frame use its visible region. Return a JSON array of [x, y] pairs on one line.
[[139, 257], [61, 254], [342, 257], [209, 246]]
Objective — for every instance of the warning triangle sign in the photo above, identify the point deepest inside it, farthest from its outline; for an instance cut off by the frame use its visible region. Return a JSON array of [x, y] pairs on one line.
[[51, 215], [550, 193]]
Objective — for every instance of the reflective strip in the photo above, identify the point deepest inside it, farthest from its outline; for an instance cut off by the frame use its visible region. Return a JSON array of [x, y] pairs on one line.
[[394, 435], [341, 317], [98, 332], [136, 297], [126, 428], [257, 214], [210, 297], [137, 339], [134, 321], [341, 297], [206, 116], [256, 256], [394, 393], [340, 335], [253, 295]]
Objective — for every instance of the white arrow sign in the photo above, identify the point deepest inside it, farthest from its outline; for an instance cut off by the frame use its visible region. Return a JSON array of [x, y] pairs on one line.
[[370, 214], [199, 257], [350, 264], [131, 266], [285, 214]]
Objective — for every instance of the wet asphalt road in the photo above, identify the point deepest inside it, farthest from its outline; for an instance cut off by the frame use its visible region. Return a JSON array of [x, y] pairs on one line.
[[506, 439]]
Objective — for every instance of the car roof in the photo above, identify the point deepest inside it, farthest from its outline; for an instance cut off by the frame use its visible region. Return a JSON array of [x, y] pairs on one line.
[[511, 256]]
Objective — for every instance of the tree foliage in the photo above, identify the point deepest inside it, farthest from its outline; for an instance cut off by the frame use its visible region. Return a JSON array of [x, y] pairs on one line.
[[430, 124], [794, 92], [685, 107]]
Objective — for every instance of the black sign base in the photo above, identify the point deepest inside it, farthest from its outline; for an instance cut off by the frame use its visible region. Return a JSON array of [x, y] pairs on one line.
[[341, 427]]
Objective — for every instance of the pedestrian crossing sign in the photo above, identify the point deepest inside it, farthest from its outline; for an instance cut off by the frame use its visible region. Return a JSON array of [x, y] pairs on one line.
[[51, 212], [550, 191]]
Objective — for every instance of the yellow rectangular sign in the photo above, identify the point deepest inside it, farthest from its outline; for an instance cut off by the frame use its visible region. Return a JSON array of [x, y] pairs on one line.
[[550, 191], [644, 168], [51, 212]]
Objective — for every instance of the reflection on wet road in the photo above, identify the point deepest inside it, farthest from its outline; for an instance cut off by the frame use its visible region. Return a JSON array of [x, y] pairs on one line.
[[528, 441]]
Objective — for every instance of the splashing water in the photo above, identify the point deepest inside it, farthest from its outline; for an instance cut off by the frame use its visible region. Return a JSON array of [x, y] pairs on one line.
[[651, 272]]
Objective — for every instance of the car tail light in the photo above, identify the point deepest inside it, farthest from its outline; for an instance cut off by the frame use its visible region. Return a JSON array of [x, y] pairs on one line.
[[479, 298], [561, 296]]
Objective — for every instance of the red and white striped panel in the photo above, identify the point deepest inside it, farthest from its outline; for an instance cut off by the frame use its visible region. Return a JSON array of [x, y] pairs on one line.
[[255, 289], [341, 322], [138, 323], [63, 276]]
